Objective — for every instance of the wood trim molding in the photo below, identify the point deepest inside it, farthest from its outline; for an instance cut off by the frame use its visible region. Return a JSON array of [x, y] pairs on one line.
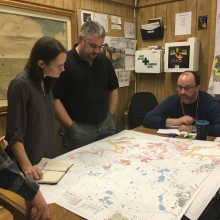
[[130, 3], [149, 3], [124, 2]]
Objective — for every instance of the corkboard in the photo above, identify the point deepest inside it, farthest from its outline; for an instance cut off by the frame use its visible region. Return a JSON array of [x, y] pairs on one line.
[[112, 33]]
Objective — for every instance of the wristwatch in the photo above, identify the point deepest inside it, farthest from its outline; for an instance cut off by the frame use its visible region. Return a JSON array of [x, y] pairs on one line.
[[193, 129]]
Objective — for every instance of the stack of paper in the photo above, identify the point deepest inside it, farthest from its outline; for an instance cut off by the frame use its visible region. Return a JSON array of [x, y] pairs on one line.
[[150, 26]]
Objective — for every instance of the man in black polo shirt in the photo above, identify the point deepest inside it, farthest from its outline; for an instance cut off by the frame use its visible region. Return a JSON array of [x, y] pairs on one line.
[[86, 93]]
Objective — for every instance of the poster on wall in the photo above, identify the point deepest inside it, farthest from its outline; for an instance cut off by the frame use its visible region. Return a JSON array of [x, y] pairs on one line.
[[202, 22], [86, 16], [114, 49], [16, 39], [214, 83]]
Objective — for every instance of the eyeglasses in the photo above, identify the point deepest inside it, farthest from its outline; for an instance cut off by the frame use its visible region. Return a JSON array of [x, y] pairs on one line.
[[186, 89]]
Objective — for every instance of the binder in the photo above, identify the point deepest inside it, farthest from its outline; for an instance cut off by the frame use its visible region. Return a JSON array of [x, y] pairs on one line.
[[152, 34]]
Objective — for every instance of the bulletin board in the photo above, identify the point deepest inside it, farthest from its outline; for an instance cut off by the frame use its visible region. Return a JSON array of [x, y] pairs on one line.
[[84, 14], [114, 33]]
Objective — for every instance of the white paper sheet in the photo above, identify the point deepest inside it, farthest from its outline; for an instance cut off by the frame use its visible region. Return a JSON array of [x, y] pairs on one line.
[[115, 19], [116, 27], [204, 196], [129, 30], [183, 23], [123, 78], [130, 46], [217, 139], [102, 19], [150, 26], [129, 62]]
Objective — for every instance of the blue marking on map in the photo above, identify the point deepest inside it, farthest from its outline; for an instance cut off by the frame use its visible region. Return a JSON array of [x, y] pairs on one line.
[[137, 168], [131, 182], [50, 27], [109, 192], [122, 206], [109, 202], [160, 198], [144, 174], [161, 207], [162, 177]]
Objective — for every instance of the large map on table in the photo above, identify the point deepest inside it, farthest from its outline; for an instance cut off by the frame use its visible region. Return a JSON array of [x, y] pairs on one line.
[[18, 33], [134, 176]]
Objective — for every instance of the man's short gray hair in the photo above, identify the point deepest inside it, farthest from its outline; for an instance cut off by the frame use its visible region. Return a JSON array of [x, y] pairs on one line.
[[92, 27]]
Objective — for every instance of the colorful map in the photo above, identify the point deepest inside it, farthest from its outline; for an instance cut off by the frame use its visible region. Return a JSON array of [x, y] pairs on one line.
[[135, 176]]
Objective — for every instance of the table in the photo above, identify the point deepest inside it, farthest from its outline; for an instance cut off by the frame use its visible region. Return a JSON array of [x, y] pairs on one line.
[[153, 131], [15, 204]]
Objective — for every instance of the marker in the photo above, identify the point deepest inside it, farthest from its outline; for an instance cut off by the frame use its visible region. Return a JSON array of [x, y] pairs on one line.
[[172, 135]]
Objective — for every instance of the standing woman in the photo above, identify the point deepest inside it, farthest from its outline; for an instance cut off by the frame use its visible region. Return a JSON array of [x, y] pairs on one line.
[[30, 129]]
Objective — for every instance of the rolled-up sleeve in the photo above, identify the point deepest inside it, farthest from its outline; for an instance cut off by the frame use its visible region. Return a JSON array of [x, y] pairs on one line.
[[17, 111], [13, 179]]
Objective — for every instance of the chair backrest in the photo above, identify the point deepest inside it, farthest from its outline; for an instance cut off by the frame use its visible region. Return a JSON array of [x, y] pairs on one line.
[[141, 103]]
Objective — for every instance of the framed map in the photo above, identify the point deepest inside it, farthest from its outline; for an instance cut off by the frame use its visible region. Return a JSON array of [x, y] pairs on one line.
[[21, 25]]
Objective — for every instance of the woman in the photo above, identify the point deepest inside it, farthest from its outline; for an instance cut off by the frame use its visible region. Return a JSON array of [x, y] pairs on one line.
[[30, 129]]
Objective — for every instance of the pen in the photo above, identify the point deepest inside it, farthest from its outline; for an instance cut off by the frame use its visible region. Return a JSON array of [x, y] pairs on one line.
[[44, 165]]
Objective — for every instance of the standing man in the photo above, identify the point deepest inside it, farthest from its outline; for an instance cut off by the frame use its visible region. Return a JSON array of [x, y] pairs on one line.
[[86, 93], [185, 107]]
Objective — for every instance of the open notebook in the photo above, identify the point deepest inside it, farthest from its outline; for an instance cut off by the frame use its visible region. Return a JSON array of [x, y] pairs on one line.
[[53, 170], [174, 130]]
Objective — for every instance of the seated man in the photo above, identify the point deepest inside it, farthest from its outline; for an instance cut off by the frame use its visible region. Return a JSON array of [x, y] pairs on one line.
[[185, 107], [13, 179]]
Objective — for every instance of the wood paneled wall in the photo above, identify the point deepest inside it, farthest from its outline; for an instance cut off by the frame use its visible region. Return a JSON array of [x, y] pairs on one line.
[[115, 7], [163, 85]]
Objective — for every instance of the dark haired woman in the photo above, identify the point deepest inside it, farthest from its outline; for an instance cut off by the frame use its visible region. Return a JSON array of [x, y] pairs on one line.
[[30, 129]]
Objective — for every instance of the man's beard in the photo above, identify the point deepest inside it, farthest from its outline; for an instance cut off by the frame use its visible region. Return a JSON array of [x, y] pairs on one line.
[[186, 99]]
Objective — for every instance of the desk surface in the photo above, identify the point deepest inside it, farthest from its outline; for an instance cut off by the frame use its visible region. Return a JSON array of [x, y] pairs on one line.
[[15, 204], [153, 131]]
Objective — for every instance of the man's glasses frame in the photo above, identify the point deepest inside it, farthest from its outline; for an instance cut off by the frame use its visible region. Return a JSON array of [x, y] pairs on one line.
[[186, 89]]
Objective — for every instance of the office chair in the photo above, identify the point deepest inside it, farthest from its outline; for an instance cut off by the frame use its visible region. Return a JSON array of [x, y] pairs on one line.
[[140, 104]]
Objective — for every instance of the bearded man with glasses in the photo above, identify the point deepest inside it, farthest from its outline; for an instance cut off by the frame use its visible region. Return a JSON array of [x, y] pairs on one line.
[[185, 107]]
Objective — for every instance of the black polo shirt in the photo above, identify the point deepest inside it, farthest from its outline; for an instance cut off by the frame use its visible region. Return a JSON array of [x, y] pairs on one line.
[[84, 89]]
